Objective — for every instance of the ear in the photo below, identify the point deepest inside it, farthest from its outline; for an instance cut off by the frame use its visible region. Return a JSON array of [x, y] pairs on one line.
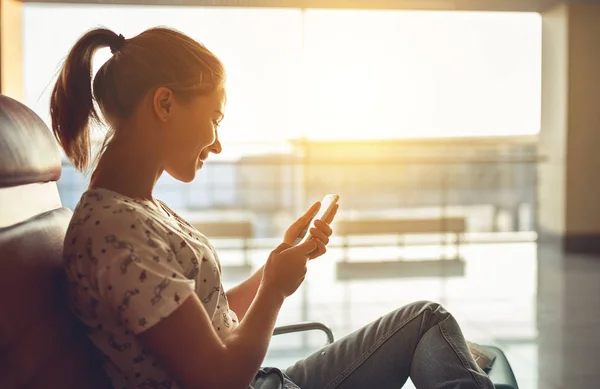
[[162, 103]]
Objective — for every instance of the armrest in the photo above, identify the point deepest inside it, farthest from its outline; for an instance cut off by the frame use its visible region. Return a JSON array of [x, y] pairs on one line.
[[308, 326], [501, 372]]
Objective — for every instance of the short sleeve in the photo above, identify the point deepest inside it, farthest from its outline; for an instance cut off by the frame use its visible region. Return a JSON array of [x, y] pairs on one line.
[[141, 281]]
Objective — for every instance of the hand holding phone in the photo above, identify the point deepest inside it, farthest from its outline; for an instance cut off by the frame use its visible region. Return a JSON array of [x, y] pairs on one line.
[[327, 205]]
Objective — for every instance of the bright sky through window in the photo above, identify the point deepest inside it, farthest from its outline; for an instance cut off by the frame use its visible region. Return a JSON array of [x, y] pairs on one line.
[[331, 74]]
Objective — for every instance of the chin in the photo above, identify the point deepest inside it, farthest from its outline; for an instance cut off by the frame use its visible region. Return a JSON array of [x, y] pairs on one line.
[[188, 179], [186, 176], [185, 171]]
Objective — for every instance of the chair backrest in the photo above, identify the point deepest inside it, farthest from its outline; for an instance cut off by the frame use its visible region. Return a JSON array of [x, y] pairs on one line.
[[41, 343]]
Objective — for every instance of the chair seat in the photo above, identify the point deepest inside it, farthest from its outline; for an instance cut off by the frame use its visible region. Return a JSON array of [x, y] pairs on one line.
[[501, 373]]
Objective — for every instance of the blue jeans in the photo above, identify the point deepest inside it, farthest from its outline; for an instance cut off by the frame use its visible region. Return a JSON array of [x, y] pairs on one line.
[[421, 341]]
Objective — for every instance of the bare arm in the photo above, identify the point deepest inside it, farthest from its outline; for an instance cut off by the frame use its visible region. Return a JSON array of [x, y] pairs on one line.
[[189, 348], [241, 296]]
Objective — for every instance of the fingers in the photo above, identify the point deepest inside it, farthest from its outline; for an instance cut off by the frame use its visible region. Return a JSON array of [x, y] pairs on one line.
[[320, 235], [307, 247], [331, 215], [323, 227], [317, 245], [303, 223], [312, 211], [320, 250]]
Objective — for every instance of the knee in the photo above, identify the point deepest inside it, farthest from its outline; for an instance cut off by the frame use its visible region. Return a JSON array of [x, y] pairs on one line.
[[428, 313], [433, 309], [427, 305]]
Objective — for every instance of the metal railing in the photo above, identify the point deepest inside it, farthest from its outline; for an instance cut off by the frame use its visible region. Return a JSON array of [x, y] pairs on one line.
[[492, 184]]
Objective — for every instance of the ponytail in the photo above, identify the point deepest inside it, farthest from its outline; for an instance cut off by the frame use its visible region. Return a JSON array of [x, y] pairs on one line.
[[72, 102], [156, 57]]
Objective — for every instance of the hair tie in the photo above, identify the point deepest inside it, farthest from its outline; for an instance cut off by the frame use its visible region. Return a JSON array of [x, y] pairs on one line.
[[118, 45]]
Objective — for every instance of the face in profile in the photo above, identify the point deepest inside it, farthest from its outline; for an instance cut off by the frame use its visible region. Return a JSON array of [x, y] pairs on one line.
[[190, 132]]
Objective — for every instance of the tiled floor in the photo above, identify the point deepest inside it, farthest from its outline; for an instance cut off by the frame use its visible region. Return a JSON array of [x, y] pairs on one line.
[[498, 300]]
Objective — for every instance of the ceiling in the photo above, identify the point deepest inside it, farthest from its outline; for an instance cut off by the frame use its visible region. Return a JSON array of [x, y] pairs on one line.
[[459, 5]]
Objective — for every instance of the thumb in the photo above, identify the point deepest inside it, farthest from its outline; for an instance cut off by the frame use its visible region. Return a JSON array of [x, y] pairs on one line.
[[310, 213], [281, 247], [307, 247]]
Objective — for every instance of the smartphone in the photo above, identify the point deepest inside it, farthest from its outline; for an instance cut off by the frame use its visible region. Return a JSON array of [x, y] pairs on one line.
[[327, 205]]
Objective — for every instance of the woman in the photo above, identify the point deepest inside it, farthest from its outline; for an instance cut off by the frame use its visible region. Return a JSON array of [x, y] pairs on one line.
[[148, 285]]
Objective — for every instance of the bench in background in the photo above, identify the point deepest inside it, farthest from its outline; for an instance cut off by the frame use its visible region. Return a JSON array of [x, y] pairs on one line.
[[399, 267]]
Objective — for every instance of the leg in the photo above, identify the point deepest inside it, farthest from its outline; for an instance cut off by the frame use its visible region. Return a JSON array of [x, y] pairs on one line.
[[421, 340]]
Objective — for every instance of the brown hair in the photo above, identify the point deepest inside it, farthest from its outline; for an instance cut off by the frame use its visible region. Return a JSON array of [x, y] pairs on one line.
[[156, 57]]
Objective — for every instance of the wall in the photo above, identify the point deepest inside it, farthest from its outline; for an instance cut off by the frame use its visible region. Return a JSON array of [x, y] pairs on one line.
[[583, 121], [11, 50], [569, 188], [553, 137]]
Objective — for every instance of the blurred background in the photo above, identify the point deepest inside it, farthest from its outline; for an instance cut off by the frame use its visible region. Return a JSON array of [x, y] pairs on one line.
[[459, 136]]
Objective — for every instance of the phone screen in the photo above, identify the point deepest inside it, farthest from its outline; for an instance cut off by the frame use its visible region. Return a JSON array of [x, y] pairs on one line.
[[326, 206]]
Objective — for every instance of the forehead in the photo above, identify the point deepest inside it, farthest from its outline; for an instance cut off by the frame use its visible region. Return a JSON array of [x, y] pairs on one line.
[[214, 101], [220, 98]]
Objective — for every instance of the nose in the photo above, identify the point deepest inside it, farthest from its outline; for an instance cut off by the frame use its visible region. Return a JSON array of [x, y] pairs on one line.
[[216, 147]]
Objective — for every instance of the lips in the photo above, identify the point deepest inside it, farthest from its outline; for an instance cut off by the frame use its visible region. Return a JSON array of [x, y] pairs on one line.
[[201, 160]]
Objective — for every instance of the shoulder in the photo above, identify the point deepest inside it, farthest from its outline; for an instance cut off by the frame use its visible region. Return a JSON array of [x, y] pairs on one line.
[[106, 216]]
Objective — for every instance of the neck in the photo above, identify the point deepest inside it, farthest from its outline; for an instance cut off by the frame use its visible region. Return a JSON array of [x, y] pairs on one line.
[[129, 170]]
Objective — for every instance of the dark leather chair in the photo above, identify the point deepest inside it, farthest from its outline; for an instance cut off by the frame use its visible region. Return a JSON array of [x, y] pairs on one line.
[[42, 346]]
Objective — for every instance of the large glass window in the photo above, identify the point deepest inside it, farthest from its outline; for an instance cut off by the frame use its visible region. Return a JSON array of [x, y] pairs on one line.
[[382, 74], [335, 75], [331, 74]]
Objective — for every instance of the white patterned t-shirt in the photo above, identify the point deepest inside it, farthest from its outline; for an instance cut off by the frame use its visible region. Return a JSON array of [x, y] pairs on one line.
[[128, 266]]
